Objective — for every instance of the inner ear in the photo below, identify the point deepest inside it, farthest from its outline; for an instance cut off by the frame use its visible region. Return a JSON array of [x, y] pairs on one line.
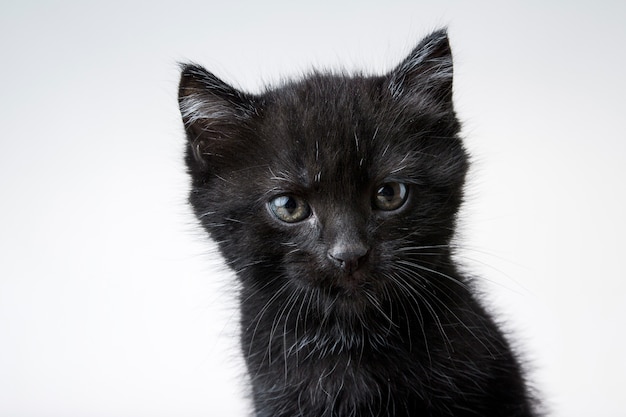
[[213, 112]]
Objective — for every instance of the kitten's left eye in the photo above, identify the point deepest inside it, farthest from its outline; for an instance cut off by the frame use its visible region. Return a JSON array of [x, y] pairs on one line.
[[390, 196], [290, 209]]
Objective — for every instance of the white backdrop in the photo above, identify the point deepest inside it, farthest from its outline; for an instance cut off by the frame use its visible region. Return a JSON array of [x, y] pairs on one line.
[[112, 302]]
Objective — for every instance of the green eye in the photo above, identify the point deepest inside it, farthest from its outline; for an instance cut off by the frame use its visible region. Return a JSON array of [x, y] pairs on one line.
[[390, 196], [289, 209]]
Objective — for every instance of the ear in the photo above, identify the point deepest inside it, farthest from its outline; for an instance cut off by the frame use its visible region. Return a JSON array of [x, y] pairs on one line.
[[213, 112], [426, 71]]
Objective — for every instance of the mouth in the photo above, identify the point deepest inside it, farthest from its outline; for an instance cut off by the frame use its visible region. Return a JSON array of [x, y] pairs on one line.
[[353, 282], [340, 292], [349, 294]]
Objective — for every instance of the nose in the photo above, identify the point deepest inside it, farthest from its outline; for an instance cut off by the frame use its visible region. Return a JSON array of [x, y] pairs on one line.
[[348, 257]]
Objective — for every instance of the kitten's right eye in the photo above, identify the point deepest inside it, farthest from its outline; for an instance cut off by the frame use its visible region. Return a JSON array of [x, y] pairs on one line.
[[289, 209]]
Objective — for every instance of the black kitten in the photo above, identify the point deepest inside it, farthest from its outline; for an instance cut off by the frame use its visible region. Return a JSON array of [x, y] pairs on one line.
[[334, 199]]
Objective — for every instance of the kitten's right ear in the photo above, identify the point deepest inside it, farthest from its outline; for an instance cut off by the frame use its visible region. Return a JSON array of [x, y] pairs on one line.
[[212, 112]]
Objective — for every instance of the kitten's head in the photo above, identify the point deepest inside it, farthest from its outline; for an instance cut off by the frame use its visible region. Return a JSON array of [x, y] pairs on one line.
[[347, 186]]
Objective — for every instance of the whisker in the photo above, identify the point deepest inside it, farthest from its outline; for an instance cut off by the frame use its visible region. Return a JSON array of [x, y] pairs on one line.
[[434, 271], [257, 319]]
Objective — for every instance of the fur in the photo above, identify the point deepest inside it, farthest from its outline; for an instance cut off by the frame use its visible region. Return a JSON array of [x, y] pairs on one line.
[[348, 308]]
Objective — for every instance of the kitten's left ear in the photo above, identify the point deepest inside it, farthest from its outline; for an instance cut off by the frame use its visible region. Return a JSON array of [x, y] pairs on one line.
[[426, 71]]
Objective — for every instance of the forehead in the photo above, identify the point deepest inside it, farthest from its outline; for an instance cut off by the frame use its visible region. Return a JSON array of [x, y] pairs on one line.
[[327, 131], [349, 157]]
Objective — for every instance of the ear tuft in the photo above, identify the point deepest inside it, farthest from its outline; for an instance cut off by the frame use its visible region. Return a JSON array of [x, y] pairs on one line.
[[427, 70]]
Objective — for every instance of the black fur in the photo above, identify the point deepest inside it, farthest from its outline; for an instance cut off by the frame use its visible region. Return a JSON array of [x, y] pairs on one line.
[[350, 310]]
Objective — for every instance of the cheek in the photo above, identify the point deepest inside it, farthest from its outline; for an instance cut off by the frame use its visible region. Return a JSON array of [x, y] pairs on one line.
[[303, 244], [296, 245]]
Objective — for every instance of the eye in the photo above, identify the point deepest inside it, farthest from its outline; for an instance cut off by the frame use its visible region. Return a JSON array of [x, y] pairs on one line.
[[289, 209], [390, 196]]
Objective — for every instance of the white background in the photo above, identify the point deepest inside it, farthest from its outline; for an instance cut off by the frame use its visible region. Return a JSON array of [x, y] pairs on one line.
[[112, 303]]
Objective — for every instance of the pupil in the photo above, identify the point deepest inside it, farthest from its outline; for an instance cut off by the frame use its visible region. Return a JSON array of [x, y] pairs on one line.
[[290, 205], [387, 192]]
